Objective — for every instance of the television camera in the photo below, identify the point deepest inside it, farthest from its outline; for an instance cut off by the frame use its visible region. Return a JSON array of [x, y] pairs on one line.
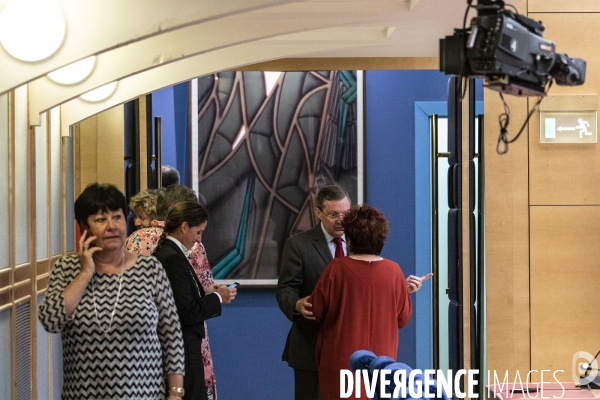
[[508, 51]]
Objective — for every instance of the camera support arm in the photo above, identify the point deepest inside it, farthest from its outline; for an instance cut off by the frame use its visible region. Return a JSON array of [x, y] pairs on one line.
[[488, 6]]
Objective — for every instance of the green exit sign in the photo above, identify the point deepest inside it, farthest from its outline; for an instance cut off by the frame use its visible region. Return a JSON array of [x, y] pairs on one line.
[[568, 127]]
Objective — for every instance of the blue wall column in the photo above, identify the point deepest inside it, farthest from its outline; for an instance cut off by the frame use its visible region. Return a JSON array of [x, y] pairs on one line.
[[171, 104], [391, 172]]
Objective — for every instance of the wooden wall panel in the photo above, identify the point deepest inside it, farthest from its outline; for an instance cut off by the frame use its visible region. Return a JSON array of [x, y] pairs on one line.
[[577, 35], [564, 285], [99, 149], [143, 141], [507, 241], [324, 64], [568, 173], [563, 6], [86, 153], [111, 154]]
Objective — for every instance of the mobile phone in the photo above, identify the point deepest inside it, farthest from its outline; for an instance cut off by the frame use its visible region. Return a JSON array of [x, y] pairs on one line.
[[233, 285]]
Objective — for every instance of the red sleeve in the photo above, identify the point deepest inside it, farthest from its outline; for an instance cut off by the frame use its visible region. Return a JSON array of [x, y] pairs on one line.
[[403, 301], [320, 296]]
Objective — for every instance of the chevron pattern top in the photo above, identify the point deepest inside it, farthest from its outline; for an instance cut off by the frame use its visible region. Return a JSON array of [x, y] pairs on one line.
[[143, 345]]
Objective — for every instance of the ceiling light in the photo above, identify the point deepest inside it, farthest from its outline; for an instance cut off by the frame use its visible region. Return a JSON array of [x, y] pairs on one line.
[[73, 73], [31, 30], [101, 93]]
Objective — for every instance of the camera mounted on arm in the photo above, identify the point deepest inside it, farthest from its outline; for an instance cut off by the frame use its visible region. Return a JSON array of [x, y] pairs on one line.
[[508, 51]]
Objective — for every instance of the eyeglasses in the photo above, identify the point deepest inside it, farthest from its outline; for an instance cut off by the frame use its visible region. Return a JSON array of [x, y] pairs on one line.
[[335, 215]]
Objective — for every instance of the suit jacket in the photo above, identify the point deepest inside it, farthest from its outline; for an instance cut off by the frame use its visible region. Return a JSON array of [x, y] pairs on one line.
[[193, 306], [303, 260]]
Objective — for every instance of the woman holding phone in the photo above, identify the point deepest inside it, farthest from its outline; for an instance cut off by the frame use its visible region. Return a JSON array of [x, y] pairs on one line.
[[144, 241], [114, 310], [184, 225]]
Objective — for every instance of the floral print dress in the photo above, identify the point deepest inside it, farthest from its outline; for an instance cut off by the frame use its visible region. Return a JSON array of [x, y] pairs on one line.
[[201, 267]]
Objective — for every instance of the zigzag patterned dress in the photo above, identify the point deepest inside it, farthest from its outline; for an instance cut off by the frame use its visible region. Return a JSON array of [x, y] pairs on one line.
[[144, 344]]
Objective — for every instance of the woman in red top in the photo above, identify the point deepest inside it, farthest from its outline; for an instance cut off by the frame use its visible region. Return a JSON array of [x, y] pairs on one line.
[[361, 300]]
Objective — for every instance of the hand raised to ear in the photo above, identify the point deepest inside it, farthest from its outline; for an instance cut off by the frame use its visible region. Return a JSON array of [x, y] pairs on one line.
[[86, 252]]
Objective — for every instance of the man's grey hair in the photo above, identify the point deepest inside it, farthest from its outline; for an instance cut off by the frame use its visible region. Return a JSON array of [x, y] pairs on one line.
[[330, 193], [169, 176]]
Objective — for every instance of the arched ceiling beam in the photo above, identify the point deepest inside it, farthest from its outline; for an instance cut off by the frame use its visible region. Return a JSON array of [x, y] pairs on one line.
[[96, 26], [148, 81], [216, 34]]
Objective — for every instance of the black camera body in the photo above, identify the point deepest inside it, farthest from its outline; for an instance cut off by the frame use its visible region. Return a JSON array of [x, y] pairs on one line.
[[509, 52]]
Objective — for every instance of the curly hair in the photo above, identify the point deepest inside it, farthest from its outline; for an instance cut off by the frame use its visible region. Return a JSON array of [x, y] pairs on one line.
[[366, 229], [144, 204]]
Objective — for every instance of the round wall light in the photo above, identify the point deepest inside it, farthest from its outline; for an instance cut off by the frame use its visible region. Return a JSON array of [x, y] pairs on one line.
[[73, 73], [101, 93], [31, 30]]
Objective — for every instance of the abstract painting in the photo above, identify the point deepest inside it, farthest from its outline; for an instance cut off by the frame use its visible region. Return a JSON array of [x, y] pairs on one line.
[[267, 142]]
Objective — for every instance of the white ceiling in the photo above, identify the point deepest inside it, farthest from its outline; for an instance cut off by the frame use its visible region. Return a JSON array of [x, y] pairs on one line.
[[149, 44]]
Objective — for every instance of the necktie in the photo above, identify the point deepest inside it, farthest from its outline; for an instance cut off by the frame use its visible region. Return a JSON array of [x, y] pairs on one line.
[[339, 248]]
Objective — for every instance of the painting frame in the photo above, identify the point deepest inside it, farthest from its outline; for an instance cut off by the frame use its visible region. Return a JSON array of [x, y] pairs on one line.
[[340, 84]]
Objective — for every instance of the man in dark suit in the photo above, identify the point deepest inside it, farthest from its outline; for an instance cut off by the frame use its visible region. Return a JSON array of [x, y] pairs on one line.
[[304, 258]]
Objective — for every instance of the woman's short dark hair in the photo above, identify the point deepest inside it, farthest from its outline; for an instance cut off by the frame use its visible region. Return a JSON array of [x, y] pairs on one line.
[[366, 229], [185, 211], [98, 197]]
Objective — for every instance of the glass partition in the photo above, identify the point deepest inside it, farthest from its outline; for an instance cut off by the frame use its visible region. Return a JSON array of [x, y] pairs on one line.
[[55, 195], [21, 174], [70, 191], [443, 234], [43, 356], [5, 358], [443, 242], [4, 231], [41, 189]]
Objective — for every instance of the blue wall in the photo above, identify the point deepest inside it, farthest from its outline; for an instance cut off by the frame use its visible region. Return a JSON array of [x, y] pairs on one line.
[[171, 105], [390, 117], [247, 340], [246, 343]]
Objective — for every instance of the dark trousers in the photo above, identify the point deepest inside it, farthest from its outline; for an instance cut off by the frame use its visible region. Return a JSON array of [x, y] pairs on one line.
[[193, 381], [306, 385]]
